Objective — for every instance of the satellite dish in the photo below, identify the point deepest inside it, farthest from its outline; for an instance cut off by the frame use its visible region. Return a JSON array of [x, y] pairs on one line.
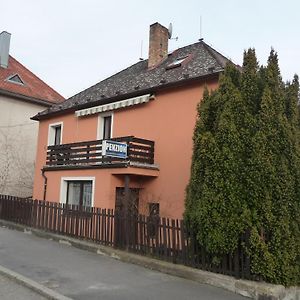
[[170, 29]]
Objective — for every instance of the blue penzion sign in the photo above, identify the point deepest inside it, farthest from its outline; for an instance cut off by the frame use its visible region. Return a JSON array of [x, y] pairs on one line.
[[114, 149]]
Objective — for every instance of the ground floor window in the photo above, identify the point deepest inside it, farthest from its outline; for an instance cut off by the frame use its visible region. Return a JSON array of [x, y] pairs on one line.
[[77, 191]]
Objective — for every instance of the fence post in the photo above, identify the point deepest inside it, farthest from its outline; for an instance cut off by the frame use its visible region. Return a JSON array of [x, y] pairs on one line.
[[126, 211], [236, 263], [1, 207]]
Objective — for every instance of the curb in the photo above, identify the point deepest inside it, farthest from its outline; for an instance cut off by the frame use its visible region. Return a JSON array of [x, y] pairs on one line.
[[32, 285], [250, 289]]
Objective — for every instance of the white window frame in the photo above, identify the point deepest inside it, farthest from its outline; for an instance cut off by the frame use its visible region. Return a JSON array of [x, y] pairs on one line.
[[51, 132], [64, 187], [101, 124]]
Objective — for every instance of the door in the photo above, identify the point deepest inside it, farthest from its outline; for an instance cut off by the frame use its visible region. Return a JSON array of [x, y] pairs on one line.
[[133, 205], [126, 224]]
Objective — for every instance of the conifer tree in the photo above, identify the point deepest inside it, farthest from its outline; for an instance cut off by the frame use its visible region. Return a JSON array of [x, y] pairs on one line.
[[214, 192], [245, 174]]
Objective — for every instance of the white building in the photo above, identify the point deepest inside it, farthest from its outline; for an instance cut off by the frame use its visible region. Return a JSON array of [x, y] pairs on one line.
[[22, 95]]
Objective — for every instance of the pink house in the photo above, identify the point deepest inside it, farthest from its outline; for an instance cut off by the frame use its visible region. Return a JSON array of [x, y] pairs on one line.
[[126, 142]]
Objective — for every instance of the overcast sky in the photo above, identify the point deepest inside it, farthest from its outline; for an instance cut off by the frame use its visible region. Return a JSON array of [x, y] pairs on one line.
[[73, 44]]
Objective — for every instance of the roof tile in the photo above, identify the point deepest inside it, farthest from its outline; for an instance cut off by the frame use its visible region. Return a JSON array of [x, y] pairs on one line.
[[202, 61], [33, 86]]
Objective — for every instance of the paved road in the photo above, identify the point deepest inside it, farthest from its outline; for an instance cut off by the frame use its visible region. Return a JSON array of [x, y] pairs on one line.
[[11, 290], [79, 274]]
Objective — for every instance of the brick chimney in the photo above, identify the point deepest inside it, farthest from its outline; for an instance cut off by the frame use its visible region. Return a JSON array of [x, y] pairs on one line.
[[4, 49], [158, 44]]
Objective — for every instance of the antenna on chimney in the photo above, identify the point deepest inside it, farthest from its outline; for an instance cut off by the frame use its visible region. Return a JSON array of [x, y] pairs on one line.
[[170, 32]]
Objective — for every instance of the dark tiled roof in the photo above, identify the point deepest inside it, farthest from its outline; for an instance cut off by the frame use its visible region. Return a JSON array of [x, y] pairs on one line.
[[33, 86], [202, 61]]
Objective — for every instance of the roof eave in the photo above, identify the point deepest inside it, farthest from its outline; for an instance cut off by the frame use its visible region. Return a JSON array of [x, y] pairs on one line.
[[26, 98], [128, 95]]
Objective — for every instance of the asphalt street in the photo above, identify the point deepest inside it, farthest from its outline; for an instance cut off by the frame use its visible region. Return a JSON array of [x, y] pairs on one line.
[[80, 274]]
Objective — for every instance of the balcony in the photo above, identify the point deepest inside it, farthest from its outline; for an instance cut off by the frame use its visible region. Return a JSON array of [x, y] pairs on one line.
[[140, 152]]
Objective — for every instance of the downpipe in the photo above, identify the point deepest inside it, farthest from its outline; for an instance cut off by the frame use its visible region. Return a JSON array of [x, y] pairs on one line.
[[45, 184]]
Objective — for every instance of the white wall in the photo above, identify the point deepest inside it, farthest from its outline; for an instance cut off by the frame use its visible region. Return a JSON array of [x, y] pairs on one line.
[[18, 139]]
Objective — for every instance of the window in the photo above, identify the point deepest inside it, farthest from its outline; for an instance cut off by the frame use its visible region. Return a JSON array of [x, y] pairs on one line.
[[105, 126], [176, 63], [79, 193], [55, 134], [15, 79]]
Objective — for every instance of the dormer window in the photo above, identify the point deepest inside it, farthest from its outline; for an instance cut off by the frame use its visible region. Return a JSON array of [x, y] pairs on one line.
[[15, 79], [177, 63]]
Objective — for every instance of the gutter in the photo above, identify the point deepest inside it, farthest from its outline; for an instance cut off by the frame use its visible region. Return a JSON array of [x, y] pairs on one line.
[[26, 98], [180, 83]]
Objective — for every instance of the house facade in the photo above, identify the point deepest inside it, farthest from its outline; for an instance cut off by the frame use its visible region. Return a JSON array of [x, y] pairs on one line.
[[126, 142], [22, 94]]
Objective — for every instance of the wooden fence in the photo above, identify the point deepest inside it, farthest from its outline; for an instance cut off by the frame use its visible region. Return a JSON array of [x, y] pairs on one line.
[[163, 238]]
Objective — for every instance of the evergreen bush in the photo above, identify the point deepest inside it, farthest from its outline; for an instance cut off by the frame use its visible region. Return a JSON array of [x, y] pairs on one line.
[[245, 174]]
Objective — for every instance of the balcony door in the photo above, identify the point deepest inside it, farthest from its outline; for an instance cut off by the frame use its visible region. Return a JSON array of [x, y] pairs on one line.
[[55, 134], [105, 126]]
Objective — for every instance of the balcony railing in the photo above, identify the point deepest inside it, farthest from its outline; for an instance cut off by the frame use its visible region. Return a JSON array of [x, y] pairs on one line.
[[90, 153]]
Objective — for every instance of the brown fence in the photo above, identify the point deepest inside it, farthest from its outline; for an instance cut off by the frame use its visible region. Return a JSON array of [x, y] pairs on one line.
[[90, 152], [164, 238]]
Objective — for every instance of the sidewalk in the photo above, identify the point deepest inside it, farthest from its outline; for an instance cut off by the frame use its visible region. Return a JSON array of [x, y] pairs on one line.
[[11, 290], [15, 286]]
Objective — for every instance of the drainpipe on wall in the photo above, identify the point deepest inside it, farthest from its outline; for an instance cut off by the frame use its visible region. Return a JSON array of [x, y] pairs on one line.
[[45, 184]]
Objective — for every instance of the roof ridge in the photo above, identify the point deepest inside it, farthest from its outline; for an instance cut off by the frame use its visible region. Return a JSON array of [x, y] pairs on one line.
[[31, 73], [213, 52]]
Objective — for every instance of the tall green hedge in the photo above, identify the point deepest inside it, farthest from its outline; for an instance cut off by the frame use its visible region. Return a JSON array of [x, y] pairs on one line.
[[245, 174]]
